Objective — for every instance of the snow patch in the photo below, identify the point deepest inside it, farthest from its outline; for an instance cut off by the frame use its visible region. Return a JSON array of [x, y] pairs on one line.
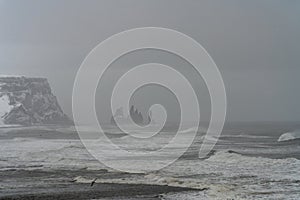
[[4, 107]]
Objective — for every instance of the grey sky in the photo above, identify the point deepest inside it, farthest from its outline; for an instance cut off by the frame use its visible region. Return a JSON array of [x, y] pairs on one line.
[[256, 44]]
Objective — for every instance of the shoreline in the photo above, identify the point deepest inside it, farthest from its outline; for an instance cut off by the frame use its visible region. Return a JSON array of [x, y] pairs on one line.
[[98, 191], [61, 184]]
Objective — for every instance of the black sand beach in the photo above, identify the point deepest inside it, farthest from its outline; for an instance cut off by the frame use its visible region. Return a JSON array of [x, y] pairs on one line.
[[41, 184]]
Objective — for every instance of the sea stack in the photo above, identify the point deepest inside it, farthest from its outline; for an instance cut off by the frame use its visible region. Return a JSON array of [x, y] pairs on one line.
[[29, 101]]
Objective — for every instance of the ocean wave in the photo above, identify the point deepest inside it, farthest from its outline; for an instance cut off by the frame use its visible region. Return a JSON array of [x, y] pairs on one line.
[[246, 136], [289, 136], [226, 174]]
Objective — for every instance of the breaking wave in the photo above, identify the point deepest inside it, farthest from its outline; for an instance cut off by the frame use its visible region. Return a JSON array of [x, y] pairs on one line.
[[289, 136]]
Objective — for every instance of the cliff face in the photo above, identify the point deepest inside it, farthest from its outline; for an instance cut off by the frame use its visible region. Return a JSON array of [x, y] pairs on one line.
[[29, 101]]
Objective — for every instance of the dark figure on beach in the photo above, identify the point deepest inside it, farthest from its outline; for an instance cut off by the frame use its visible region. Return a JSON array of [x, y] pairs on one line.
[[93, 182]]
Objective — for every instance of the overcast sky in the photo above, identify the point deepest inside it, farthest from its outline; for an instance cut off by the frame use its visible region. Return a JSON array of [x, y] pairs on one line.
[[255, 44]]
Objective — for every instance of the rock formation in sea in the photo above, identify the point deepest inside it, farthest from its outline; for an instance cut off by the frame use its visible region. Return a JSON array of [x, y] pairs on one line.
[[135, 115], [29, 101]]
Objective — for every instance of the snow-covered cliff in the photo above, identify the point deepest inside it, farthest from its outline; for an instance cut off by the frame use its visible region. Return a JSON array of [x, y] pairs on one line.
[[29, 101]]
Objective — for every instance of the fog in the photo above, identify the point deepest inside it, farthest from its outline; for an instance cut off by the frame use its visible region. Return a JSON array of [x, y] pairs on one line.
[[255, 44]]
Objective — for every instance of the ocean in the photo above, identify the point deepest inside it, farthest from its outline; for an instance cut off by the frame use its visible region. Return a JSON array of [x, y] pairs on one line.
[[249, 161]]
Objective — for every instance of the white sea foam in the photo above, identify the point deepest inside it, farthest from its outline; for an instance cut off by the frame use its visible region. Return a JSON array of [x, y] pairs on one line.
[[24, 152], [246, 136], [10, 76], [227, 175], [289, 136]]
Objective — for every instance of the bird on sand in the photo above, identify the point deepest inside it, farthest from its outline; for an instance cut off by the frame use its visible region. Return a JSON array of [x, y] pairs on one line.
[[93, 182]]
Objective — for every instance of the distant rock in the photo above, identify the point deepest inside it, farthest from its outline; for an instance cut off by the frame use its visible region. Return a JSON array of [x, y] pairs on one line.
[[134, 114], [29, 101]]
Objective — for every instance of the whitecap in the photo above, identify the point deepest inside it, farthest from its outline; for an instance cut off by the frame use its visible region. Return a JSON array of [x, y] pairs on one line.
[[289, 136]]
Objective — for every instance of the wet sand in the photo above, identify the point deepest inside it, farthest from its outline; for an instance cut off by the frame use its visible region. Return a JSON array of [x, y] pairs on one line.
[[60, 184], [98, 191]]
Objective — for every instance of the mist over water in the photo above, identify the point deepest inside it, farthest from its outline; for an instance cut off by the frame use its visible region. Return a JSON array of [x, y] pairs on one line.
[[254, 46]]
